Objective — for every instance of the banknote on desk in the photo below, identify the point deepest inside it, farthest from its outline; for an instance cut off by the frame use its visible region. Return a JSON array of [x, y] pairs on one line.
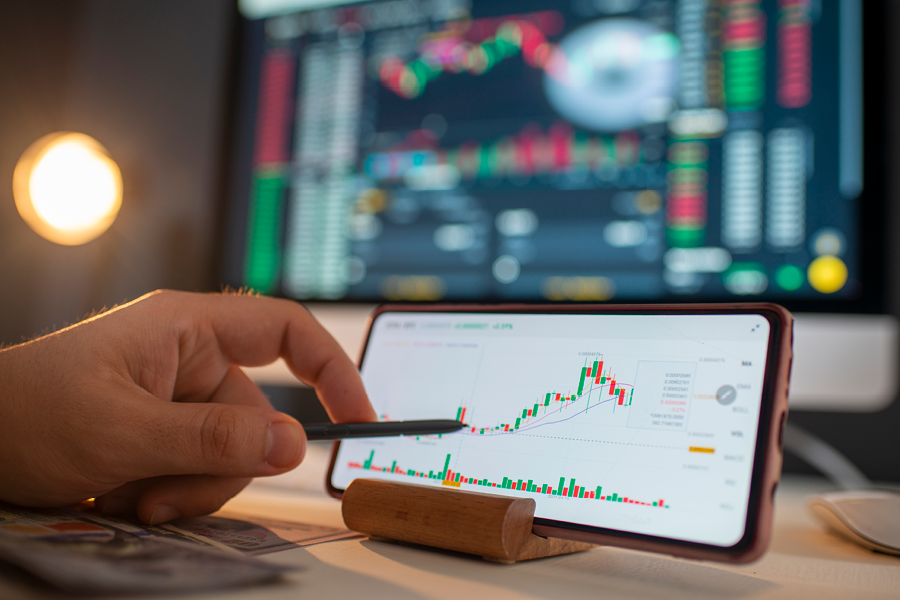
[[77, 551]]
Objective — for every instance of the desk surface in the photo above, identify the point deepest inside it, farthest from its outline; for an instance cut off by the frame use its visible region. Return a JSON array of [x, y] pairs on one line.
[[803, 561]]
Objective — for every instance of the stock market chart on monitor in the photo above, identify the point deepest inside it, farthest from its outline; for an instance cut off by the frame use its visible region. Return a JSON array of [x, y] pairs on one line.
[[557, 150], [645, 423]]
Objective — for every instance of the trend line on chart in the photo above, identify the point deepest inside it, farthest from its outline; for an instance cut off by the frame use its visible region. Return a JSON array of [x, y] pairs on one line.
[[451, 478], [594, 382], [474, 47]]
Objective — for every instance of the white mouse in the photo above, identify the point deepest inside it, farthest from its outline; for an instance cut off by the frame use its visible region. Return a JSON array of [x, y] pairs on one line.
[[870, 518]]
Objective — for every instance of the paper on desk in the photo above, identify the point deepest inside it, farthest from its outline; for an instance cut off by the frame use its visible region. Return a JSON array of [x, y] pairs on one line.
[[133, 564], [77, 552], [259, 536]]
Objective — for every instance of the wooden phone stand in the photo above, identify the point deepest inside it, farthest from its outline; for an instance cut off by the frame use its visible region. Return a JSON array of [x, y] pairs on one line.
[[497, 528]]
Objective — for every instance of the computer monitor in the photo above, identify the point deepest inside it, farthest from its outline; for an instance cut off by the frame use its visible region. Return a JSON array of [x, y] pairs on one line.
[[573, 150]]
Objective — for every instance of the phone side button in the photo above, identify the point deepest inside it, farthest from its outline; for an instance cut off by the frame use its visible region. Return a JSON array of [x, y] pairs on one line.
[[781, 431]]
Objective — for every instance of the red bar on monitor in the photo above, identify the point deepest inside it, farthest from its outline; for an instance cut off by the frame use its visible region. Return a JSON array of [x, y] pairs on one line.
[[561, 143], [272, 144]]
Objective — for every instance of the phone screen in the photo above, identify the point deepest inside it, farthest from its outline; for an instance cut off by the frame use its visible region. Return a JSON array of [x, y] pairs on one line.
[[639, 423]]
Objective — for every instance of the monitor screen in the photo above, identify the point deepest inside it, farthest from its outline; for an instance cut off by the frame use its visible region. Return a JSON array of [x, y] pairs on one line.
[[534, 150], [658, 414]]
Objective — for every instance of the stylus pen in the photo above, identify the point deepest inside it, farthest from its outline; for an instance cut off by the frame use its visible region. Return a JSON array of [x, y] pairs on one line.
[[331, 431]]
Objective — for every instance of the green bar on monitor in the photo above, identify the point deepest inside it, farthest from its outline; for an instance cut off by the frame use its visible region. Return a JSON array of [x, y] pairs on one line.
[[262, 261]]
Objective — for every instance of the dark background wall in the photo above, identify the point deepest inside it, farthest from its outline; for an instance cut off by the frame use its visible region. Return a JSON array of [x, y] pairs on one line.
[[148, 79]]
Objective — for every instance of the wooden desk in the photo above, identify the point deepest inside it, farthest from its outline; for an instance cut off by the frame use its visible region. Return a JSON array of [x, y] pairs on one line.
[[803, 562]]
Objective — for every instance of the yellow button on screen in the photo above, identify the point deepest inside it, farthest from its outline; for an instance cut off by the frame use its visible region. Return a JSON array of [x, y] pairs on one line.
[[827, 274]]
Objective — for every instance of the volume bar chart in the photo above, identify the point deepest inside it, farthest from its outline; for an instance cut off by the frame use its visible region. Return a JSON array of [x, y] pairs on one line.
[[531, 151], [562, 489]]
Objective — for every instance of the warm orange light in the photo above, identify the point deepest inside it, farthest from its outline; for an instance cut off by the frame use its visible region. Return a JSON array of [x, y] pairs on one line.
[[67, 188]]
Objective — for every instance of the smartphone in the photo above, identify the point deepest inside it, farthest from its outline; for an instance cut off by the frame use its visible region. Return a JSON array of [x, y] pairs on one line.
[[649, 427]]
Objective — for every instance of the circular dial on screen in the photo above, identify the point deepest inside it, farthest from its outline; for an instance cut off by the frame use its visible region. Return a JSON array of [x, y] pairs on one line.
[[614, 74]]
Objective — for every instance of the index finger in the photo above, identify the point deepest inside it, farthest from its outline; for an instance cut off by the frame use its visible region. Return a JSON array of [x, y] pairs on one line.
[[253, 331]]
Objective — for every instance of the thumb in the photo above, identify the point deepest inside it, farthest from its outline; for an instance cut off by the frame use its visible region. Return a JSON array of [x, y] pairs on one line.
[[213, 439]]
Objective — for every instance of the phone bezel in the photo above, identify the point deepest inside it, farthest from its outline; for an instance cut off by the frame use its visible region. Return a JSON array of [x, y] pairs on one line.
[[774, 314]]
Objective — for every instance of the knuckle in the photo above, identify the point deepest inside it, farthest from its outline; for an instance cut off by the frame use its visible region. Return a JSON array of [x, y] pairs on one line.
[[220, 435], [157, 296]]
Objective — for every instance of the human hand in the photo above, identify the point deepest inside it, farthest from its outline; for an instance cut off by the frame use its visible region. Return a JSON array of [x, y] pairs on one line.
[[145, 408]]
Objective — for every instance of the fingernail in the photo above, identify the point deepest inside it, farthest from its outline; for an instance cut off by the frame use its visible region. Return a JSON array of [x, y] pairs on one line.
[[116, 507], [283, 444], [163, 513]]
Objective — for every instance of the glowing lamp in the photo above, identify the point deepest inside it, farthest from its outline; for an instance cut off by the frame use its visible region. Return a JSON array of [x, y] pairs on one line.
[[67, 188]]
